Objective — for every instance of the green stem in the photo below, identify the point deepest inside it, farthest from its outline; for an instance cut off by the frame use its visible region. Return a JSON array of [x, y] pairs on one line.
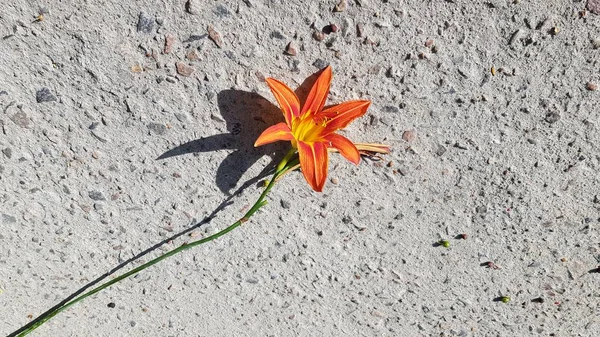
[[282, 167]]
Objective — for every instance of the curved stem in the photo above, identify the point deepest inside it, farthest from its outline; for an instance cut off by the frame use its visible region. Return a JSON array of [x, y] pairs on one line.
[[282, 167]]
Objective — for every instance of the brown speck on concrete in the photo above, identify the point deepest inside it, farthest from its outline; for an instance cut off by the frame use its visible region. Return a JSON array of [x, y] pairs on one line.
[[192, 55], [594, 6], [360, 30], [169, 41], [341, 6], [317, 35], [215, 36], [137, 68], [591, 86], [290, 49], [409, 136], [261, 77], [184, 69]]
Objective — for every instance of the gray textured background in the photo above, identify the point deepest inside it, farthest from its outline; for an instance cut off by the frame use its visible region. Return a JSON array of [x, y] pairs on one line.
[[511, 160]]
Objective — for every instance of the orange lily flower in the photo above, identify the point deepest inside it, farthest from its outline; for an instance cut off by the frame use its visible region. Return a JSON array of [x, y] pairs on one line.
[[311, 129]]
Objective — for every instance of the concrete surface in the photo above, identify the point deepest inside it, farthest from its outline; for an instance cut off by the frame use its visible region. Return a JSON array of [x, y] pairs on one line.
[[113, 140]]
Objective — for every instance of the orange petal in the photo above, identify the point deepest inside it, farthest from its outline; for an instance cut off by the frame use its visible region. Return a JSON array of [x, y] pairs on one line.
[[345, 146], [279, 131], [339, 116], [287, 99], [318, 93], [313, 161]]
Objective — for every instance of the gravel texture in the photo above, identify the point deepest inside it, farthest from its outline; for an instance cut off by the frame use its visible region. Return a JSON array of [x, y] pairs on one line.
[[123, 124]]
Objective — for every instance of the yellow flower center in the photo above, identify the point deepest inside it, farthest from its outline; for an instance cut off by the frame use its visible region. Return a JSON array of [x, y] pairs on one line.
[[308, 129]]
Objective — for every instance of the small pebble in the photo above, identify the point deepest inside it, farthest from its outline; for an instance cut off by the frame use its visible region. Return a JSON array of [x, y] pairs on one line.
[[111, 305], [440, 150], [184, 69], [335, 181], [538, 300], [428, 43], [222, 11], [96, 195], [215, 36], [137, 68], [360, 30], [377, 313], [409, 136], [341, 6], [194, 7], [515, 37], [594, 6], [591, 86], [552, 117], [7, 152], [169, 41], [317, 35], [320, 63], [145, 23], [285, 204], [290, 49], [192, 55], [277, 35], [44, 95], [157, 128]]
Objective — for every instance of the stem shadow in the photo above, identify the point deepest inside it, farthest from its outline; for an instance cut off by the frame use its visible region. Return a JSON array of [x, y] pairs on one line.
[[247, 115]]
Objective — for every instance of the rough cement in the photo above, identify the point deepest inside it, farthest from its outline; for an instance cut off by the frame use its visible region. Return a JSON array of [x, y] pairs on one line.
[[114, 139]]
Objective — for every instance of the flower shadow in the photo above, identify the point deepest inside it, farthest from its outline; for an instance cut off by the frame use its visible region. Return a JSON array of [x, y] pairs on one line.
[[246, 115]]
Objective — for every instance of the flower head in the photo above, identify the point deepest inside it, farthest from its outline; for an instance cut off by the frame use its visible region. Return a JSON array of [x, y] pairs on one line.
[[312, 129]]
